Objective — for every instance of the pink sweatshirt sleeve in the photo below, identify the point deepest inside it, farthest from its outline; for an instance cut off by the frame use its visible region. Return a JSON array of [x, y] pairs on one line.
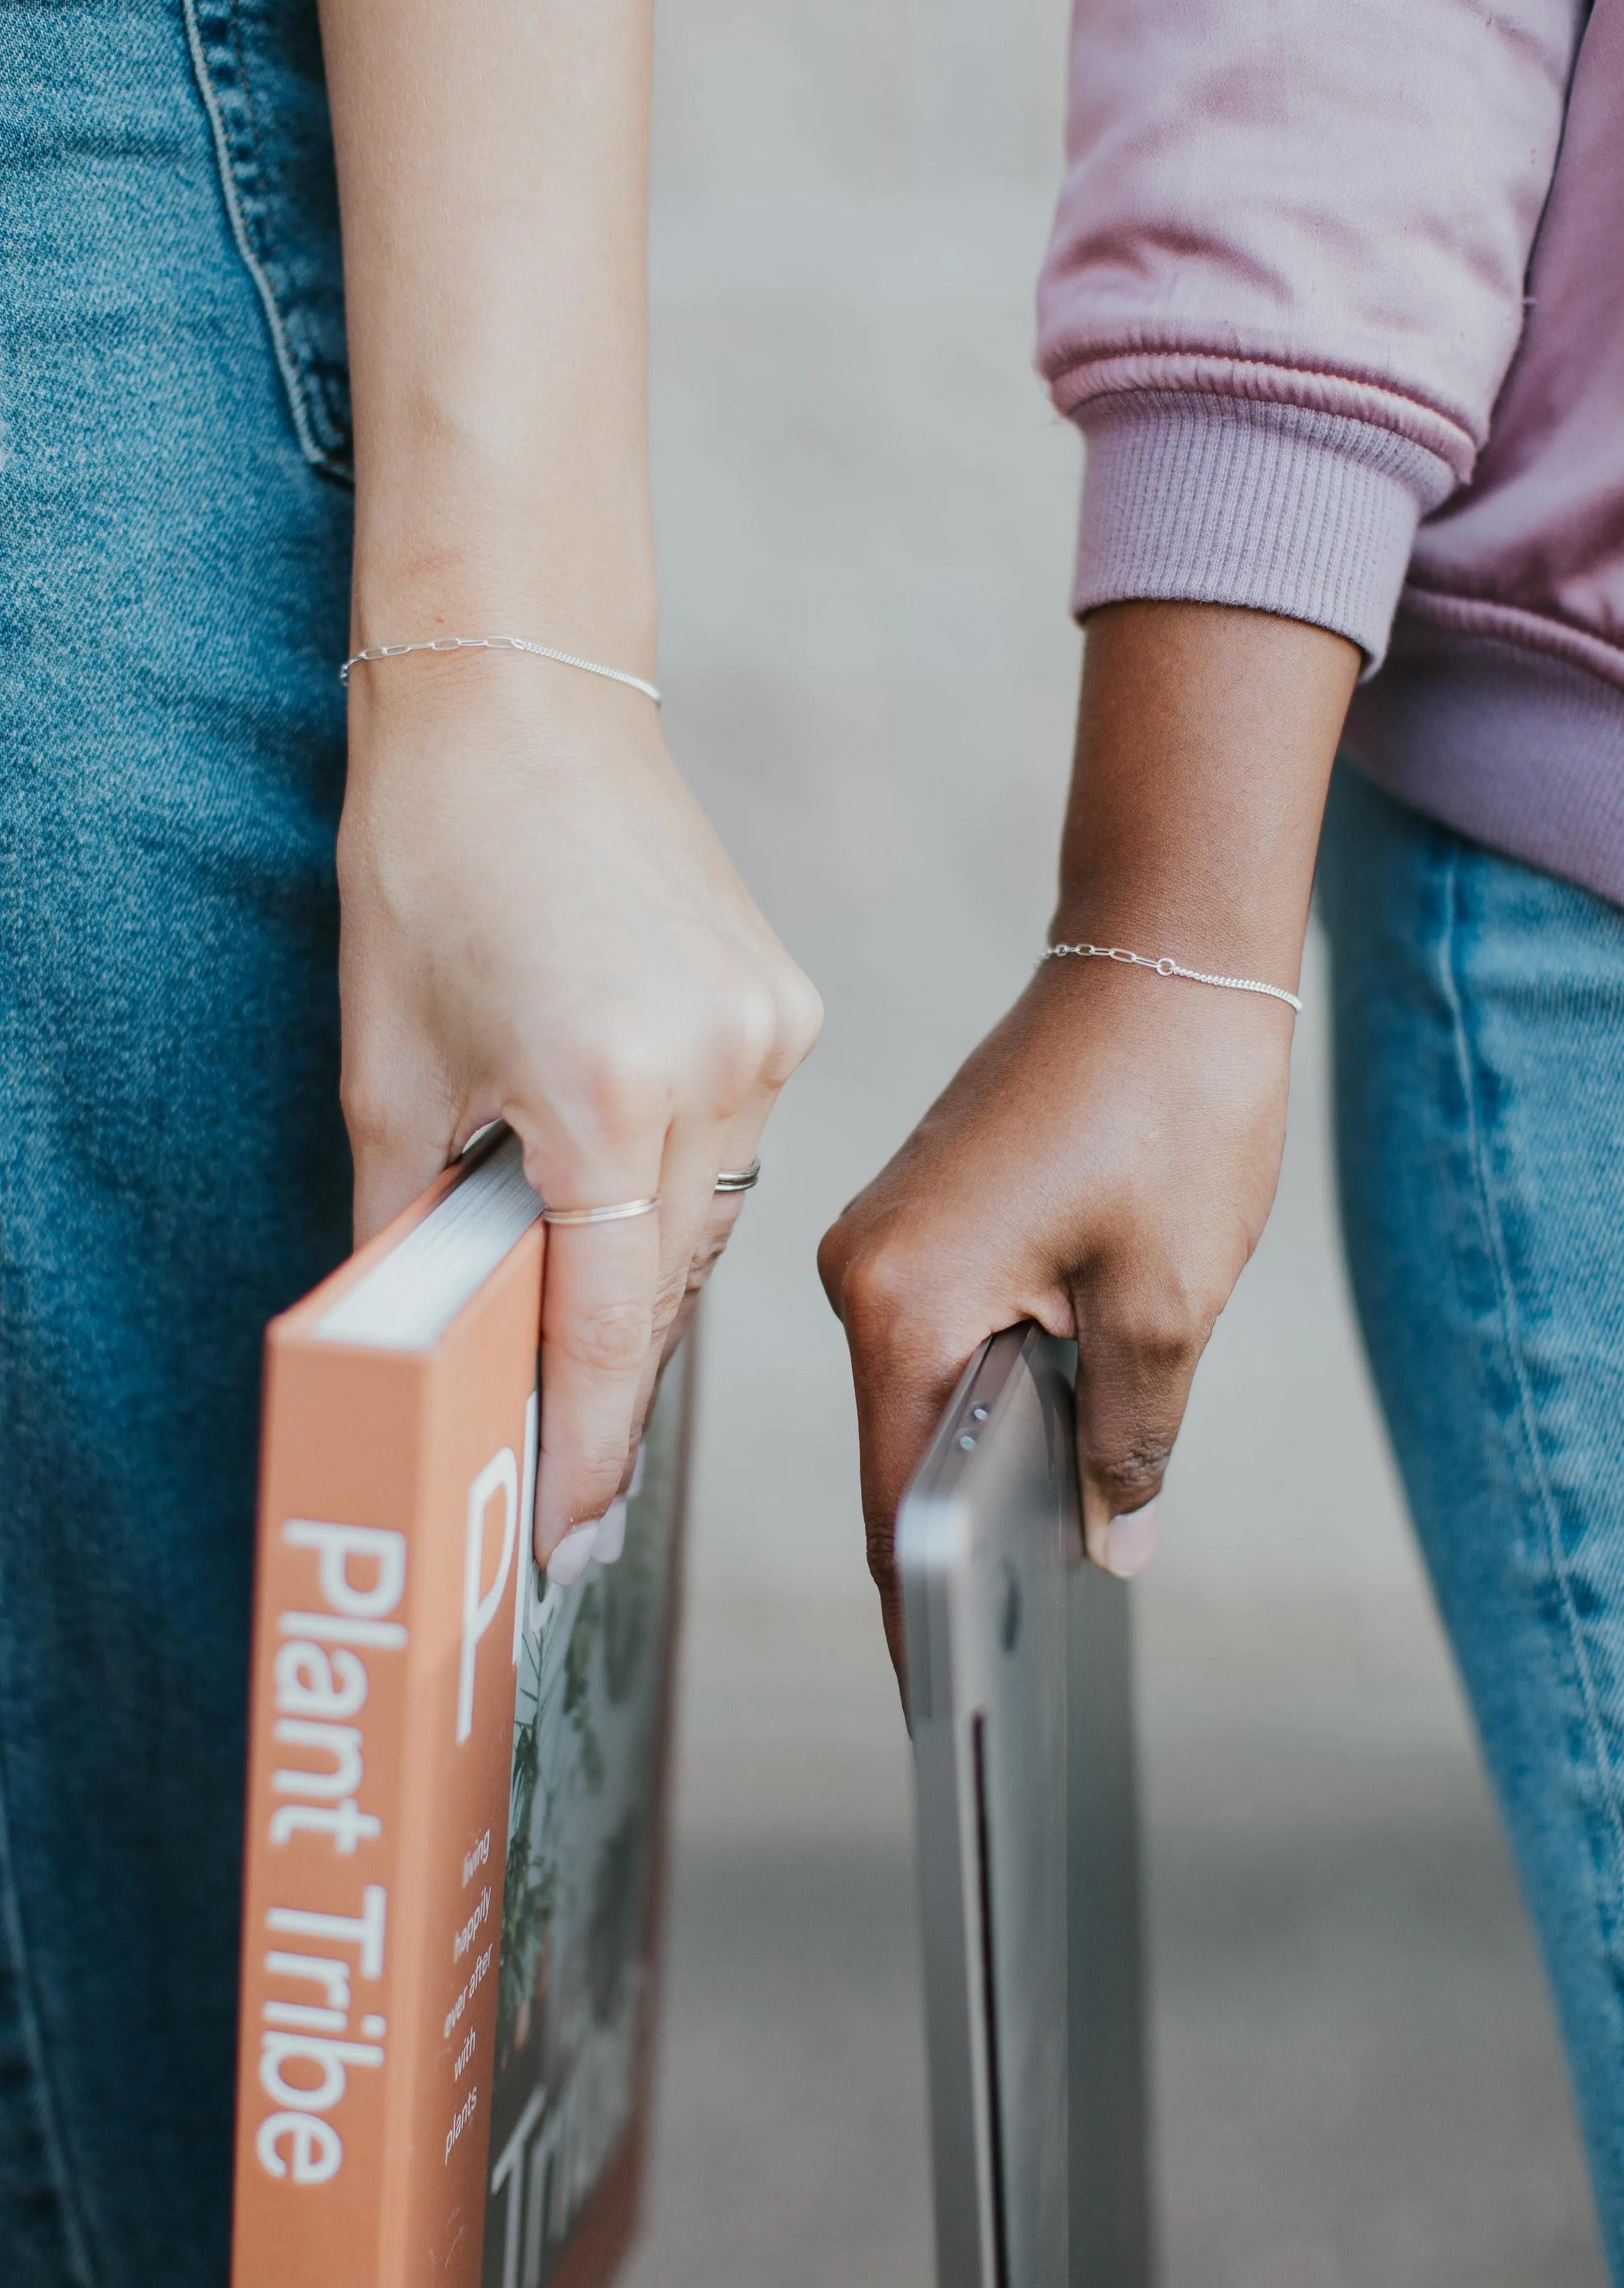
[[1287, 280]]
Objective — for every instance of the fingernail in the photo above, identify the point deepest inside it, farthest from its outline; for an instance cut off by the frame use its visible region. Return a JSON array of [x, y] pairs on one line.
[[569, 1559], [1131, 1542], [609, 1539]]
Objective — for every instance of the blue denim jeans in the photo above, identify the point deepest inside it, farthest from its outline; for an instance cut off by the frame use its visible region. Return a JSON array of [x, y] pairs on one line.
[[174, 541], [174, 551], [1480, 1077]]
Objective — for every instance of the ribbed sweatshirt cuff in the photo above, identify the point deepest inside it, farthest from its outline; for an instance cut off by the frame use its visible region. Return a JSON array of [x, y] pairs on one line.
[[1207, 499]]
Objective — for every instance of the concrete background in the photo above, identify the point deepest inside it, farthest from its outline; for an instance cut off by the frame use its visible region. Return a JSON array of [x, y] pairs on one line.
[[866, 514]]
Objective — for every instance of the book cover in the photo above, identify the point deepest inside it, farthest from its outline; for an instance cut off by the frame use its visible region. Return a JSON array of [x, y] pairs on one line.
[[581, 1914], [456, 1788]]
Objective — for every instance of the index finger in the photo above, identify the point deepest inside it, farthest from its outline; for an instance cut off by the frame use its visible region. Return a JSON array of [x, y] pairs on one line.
[[904, 1368]]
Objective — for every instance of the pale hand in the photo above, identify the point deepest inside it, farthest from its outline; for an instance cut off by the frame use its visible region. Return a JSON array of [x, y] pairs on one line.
[[539, 925]]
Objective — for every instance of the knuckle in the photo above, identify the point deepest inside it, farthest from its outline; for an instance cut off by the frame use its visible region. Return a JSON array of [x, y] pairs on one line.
[[874, 1287], [668, 1294], [832, 1263], [1162, 1340], [900, 1316], [1140, 1350], [369, 1113], [706, 1257], [1155, 1330], [628, 1087], [1129, 1474], [593, 1478], [799, 1022], [602, 1466], [835, 1248], [745, 1036], [897, 1320], [609, 1338], [881, 1550]]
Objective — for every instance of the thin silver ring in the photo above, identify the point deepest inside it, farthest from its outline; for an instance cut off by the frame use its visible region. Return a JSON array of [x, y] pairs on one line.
[[740, 1179], [618, 1214]]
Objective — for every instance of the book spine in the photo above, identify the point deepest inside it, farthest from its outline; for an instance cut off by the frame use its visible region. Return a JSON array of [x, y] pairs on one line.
[[334, 1678], [459, 1751]]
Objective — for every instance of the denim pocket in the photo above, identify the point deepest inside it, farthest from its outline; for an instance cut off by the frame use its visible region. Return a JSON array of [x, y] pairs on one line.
[[258, 65]]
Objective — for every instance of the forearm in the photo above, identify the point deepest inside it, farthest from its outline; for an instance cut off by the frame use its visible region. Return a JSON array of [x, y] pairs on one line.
[[493, 174], [1204, 742], [1105, 1161], [537, 921]]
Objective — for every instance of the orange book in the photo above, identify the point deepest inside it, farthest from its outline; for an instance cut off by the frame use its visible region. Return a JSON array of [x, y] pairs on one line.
[[456, 1788]]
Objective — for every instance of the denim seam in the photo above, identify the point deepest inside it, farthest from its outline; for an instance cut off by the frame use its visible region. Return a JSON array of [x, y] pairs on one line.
[[1505, 1287], [294, 381], [294, 330], [76, 2237]]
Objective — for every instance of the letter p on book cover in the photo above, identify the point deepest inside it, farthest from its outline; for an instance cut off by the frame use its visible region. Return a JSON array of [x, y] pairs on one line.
[[457, 1787]]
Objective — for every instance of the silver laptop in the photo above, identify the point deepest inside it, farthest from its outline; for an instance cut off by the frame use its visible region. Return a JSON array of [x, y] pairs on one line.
[[1021, 1712]]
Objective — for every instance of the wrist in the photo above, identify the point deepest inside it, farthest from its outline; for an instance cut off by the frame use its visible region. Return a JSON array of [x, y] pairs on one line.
[[490, 738], [477, 545], [1205, 739], [1176, 911]]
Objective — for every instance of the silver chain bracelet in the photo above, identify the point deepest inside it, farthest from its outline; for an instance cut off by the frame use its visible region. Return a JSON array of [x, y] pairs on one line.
[[1165, 967], [501, 643]]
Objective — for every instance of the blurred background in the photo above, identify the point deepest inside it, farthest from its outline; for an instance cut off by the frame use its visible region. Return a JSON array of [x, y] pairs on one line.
[[866, 514]]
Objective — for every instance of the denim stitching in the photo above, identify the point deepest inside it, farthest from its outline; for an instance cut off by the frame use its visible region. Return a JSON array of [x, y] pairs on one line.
[[1508, 1321], [74, 2236], [312, 382], [293, 378]]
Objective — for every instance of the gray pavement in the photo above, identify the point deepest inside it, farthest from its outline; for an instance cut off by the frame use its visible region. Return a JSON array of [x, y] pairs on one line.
[[865, 519]]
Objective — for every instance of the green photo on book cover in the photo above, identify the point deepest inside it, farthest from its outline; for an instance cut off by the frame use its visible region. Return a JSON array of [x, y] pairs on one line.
[[580, 1866]]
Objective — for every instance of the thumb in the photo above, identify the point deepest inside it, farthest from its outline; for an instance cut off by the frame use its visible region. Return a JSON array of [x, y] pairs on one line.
[[1132, 1388], [904, 1368]]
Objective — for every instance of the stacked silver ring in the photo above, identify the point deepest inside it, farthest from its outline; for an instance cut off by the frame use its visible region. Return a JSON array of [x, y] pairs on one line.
[[730, 1180]]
